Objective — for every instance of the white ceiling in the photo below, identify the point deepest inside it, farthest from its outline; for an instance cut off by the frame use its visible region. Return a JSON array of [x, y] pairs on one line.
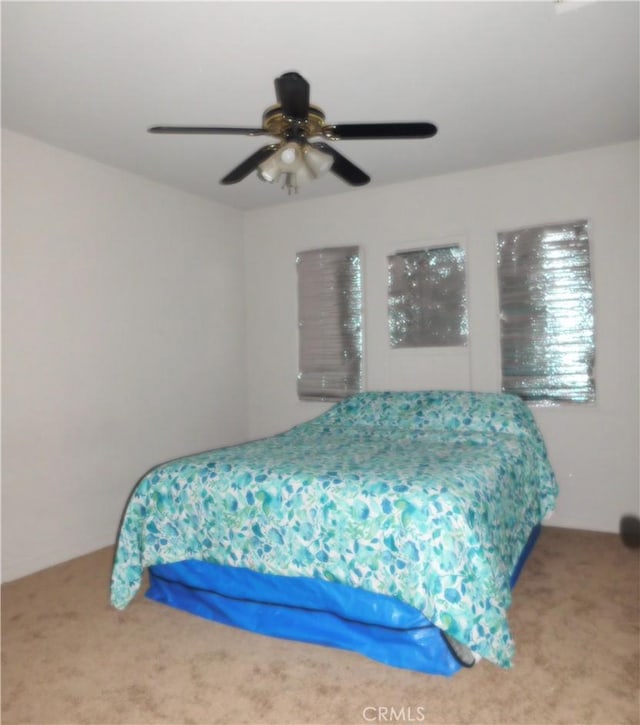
[[503, 81]]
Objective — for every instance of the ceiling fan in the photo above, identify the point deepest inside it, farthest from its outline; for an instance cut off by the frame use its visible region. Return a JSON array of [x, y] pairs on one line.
[[294, 157]]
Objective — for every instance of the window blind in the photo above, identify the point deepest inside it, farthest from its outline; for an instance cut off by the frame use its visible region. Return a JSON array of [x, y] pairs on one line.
[[427, 299], [329, 323], [546, 313]]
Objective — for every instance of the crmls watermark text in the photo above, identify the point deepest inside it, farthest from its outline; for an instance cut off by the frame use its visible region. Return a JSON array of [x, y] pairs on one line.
[[382, 713]]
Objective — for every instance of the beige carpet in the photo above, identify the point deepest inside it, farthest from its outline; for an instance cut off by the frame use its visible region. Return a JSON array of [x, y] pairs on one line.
[[68, 657]]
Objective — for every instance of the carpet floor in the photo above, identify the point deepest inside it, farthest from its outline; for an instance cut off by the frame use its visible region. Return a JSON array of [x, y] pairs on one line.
[[68, 657]]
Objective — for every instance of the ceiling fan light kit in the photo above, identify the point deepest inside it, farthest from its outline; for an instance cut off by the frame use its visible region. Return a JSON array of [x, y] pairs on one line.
[[297, 163], [295, 158]]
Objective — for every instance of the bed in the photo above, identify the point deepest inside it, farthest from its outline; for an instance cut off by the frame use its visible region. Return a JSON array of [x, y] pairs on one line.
[[394, 524]]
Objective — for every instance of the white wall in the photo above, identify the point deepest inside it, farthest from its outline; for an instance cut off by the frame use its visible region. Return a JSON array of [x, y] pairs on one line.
[[123, 343], [123, 325], [594, 449]]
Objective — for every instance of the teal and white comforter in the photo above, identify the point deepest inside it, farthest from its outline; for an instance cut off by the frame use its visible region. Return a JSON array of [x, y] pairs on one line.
[[428, 496]]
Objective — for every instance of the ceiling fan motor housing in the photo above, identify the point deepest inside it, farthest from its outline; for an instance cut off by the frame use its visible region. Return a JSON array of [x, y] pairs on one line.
[[275, 122]]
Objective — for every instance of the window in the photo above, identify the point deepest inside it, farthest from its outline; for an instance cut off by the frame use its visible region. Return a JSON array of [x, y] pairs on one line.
[[427, 298], [329, 323], [546, 313]]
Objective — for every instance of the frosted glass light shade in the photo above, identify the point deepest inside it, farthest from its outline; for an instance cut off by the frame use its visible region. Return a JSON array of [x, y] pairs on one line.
[[317, 161], [270, 170]]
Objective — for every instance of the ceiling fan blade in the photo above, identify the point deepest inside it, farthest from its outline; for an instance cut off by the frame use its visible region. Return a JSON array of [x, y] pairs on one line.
[[380, 130], [209, 129], [292, 91], [248, 165], [342, 167]]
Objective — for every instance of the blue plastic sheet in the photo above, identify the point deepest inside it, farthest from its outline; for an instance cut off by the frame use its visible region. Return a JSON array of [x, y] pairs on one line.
[[309, 610]]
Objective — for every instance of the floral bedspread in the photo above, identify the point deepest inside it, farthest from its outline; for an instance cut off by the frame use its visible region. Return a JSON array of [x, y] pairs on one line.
[[427, 496]]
